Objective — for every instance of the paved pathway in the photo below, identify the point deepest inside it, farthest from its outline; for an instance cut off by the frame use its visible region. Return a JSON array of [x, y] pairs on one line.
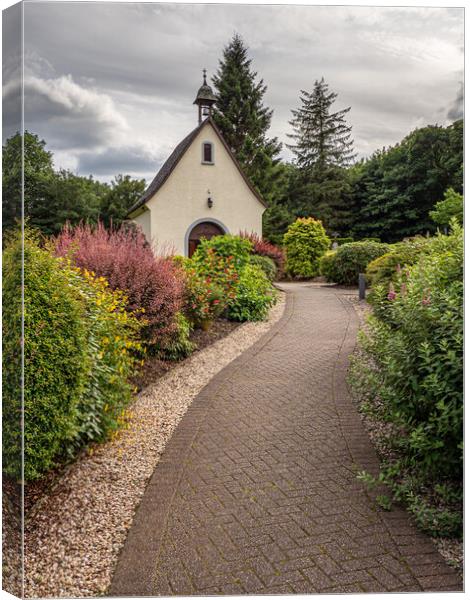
[[256, 491]]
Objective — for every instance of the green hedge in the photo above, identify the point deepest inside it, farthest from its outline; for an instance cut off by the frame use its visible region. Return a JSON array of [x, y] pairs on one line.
[[340, 241], [77, 355], [349, 260]]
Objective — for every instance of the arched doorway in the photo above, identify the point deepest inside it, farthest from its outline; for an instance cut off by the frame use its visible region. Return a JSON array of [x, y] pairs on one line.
[[205, 229]]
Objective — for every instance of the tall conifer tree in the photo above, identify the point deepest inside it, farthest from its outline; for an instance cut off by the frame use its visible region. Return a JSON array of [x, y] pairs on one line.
[[322, 146], [242, 118]]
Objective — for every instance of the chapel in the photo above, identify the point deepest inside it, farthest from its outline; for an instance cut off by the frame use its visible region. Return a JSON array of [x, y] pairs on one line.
[[200, 191]]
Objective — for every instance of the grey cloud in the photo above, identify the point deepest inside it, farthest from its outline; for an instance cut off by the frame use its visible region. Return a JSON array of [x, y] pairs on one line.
[[11, 70], [394, 66], [69, 115], [122, 159], [456, 110]]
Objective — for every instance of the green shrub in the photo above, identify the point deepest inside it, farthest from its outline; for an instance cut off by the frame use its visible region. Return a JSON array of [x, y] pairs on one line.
[[55, 358], [305, 242], [209, 286], [254, 296], [326, 264], [11, 356], [113, 349], [412, 359], [351, 259], [79, 349], [226, 246], [383, 269], [205, 297], [179, 345], [266, 264]]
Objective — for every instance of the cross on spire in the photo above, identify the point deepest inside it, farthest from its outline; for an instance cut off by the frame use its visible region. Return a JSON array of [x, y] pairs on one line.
[[205, 99]]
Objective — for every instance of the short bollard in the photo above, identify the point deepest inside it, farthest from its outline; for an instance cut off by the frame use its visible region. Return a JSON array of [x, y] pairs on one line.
[[362, 286]]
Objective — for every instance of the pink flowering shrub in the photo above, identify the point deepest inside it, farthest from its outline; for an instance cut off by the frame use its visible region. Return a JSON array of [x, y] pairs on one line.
[[153, 285]]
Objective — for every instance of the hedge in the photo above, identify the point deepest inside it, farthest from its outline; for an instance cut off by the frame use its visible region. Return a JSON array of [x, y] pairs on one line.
[[349, 260], [77, 355]]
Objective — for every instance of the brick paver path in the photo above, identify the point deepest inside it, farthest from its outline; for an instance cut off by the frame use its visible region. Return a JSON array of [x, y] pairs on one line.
[[257, 493]]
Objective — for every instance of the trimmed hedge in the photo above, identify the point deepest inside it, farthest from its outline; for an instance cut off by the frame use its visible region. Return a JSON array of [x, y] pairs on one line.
[[351, 259]]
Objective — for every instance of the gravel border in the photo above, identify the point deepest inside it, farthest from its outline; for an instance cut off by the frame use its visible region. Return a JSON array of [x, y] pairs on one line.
[[74, 535]]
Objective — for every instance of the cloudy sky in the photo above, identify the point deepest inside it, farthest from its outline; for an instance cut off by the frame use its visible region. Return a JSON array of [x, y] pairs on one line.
[[110, 86]]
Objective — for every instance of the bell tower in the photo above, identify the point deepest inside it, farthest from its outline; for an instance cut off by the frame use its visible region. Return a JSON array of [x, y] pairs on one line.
[[205, 99]]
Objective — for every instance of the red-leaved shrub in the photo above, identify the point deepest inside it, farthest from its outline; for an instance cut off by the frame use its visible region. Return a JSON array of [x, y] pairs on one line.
[[264, 248], [123, 256]]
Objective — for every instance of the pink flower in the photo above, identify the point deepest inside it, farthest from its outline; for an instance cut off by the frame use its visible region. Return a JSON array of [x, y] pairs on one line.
[[391, 295], [426, 301]]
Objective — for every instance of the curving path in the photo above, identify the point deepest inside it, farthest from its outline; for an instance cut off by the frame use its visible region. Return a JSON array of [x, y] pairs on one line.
[[256, 491]]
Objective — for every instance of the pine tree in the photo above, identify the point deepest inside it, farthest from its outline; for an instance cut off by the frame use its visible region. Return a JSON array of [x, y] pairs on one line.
[[322, 139], [243, 120], [323, 149]]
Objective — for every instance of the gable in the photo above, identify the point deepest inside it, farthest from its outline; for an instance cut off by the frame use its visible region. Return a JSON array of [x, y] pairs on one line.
[[193, 141]]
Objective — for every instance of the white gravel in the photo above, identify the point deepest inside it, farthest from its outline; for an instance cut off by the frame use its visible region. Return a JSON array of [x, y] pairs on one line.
[[74, 534]]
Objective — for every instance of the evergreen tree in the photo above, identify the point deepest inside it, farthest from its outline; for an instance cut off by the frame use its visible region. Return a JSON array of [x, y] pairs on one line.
[[322, 146], [243, 120]]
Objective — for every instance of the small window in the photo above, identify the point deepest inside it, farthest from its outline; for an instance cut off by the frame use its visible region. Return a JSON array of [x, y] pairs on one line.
[[207, 153]]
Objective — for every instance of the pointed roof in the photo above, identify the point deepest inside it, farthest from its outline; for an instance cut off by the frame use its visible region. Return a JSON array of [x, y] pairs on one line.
[[177, 154]]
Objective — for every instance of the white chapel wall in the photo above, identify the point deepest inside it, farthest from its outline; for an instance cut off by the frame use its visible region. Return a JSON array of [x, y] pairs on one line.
[[182, 200]]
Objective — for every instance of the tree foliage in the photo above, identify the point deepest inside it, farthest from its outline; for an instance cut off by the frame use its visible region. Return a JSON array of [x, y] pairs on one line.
[[244, 120], [449, 208], [396, 188], [322, 139], [38, 173], [322, 146], [122, 194], [53, 198]]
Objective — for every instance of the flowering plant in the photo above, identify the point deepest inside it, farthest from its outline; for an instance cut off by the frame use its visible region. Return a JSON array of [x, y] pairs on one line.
[[205, 297]]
